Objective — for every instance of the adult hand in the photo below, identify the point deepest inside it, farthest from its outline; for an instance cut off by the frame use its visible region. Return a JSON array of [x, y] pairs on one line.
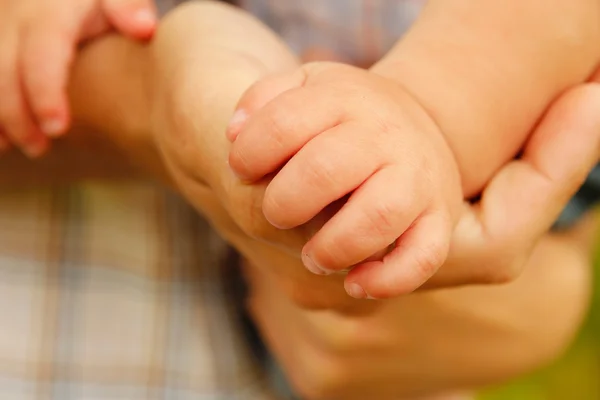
[[463, 338], [496, 235], [433, 342]]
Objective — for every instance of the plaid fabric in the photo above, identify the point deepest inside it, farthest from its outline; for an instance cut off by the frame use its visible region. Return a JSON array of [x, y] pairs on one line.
[[115, 292], [357, 31]]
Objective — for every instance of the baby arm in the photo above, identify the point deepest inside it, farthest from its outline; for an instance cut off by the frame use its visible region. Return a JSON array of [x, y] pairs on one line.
[[38, 41], [487, 70], [119, 91], [110, 126]]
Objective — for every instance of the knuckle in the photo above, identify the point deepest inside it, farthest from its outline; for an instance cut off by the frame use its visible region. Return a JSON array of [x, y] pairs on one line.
[[380, 218], [278, 119], [429, 259], [320, 171]]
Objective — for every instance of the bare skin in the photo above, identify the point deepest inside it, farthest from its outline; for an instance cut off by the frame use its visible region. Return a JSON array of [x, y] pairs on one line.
[[192, 161]]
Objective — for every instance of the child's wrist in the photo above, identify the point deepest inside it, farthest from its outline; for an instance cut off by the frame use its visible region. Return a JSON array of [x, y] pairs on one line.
[[430, 108], [487, 80], [437, 129]]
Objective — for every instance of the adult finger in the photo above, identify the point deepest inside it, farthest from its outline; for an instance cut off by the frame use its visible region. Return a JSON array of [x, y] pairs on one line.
[[493, 238]]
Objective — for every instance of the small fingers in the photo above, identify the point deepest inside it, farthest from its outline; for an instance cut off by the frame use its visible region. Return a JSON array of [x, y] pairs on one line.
[[327, 168], [418, 254], [15, 119], [376, 214], [276, 132], [45, 64]]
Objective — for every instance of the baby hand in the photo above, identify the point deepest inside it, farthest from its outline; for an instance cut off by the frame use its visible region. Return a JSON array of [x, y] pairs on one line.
[[38, 39], [331, 132]]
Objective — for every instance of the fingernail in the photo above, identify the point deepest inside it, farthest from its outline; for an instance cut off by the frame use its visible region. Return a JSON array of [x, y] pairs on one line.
[[312, 266], [355, 290], [145, 18], [235, 124], [53, 127]]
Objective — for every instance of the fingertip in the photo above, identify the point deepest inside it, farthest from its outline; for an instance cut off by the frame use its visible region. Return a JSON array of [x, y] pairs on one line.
[[355, 290], [144, 22], [237, 122], [51, 112], [46, 63], [379, 283], [137, 21], [54, 126], [312, 266], [238, 167], [275, 222], [359, 278], [278, 211]]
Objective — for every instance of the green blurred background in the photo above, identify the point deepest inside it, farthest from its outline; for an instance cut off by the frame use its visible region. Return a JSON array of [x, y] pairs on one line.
[[576, 376]]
